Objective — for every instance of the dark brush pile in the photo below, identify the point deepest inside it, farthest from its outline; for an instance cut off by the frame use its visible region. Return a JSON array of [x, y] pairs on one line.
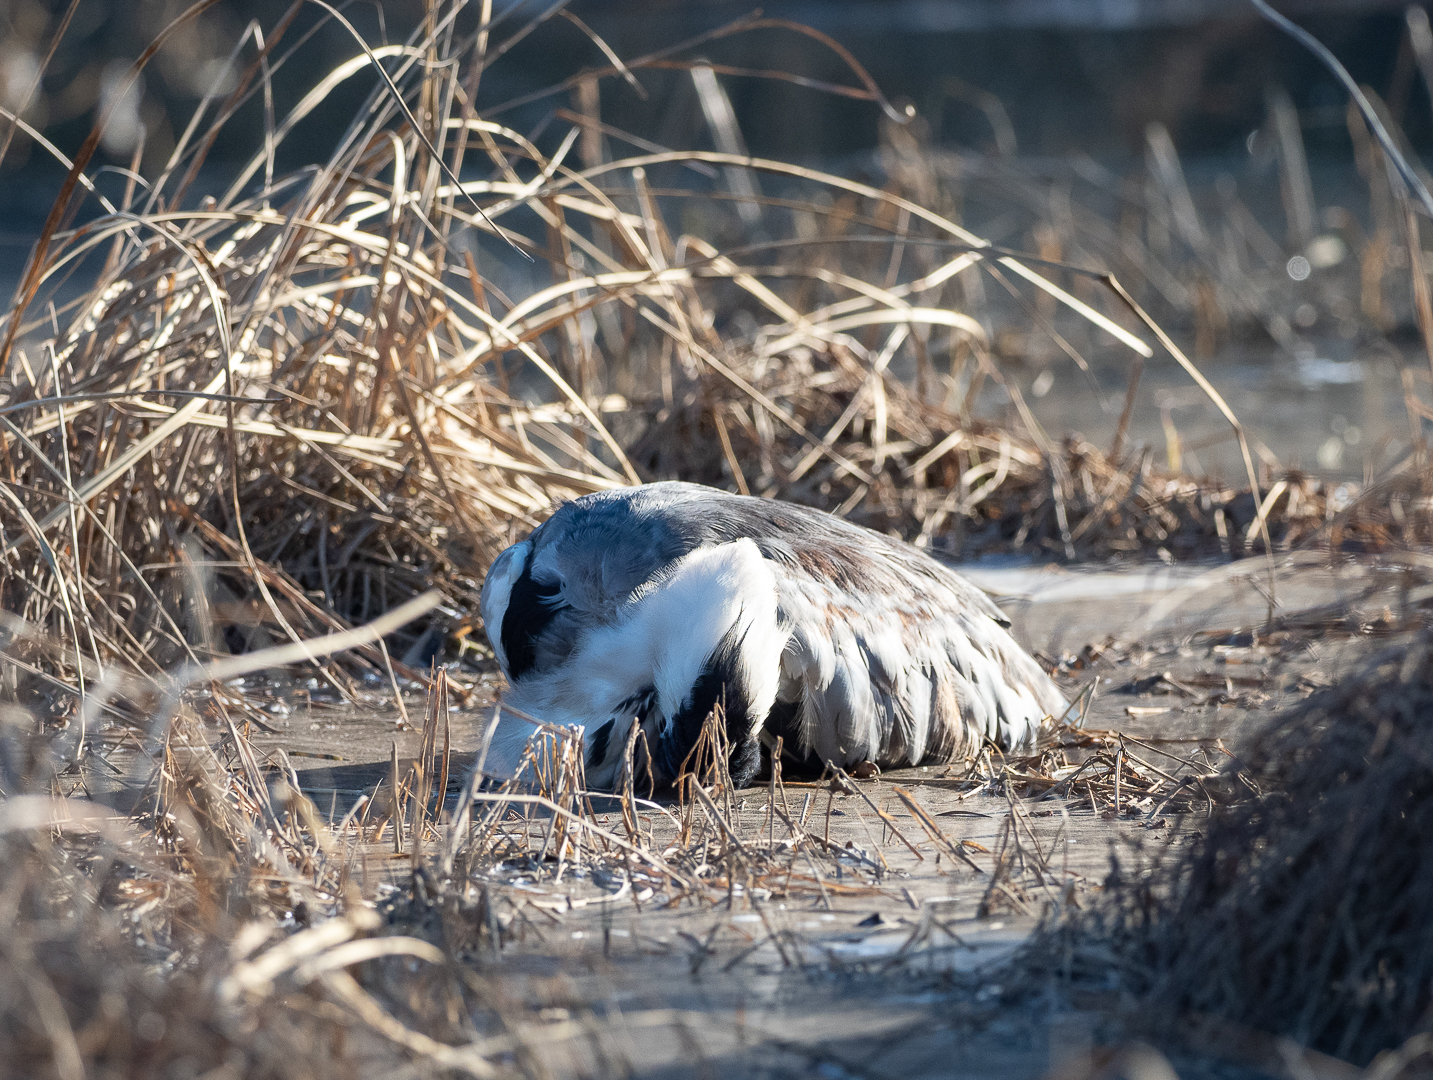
[[1306, 911]]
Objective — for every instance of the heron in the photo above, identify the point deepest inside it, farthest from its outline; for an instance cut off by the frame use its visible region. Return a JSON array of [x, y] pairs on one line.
[[652, 605]]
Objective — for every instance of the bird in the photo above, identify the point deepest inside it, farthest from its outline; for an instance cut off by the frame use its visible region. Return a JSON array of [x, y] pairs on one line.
[[652, 604]]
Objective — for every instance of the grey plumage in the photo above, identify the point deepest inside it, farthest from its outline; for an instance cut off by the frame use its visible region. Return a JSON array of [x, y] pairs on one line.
[[651, 603]]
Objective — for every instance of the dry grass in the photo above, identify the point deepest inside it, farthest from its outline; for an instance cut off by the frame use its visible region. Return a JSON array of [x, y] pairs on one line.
[[225, 923], [263, 417], [1300, 908]]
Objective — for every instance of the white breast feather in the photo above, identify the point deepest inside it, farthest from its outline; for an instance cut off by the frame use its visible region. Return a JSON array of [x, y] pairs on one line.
[[661, 638]]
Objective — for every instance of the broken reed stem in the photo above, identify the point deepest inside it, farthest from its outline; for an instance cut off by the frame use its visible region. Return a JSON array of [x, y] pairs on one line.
[[890, 822], [719, 818], [932, 829], [396, 813]]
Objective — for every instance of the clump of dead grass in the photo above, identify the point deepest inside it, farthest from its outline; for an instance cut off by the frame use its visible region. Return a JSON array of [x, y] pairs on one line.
[[224, 922], [1300, 909], [198, 933]]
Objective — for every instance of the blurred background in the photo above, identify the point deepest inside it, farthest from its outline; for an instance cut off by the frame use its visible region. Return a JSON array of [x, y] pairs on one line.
[[1066, 78], [1187, 145]]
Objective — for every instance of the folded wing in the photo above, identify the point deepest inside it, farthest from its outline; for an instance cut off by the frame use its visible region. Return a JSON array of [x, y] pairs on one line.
[[873, 649]]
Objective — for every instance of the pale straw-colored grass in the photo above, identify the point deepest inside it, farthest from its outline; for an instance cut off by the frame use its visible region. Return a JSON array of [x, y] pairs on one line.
[[241, 426]]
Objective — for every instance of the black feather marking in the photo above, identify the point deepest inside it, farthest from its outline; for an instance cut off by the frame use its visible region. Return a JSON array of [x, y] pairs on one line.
[[530, 610], [638, 705], [597, 751], [784, 723], [719, 682]]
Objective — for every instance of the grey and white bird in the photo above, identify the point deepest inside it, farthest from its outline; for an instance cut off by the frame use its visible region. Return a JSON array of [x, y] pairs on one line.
[[651, 604]]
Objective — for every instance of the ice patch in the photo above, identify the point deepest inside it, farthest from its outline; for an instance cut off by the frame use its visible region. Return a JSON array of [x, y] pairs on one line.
[[1321, 371]]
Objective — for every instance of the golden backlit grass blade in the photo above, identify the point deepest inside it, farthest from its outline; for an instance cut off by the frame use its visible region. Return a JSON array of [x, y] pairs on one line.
[[947, 226], [56, 153], [897, 293], [1080, 306], [908, 315], [310, 101], [1205, 385]]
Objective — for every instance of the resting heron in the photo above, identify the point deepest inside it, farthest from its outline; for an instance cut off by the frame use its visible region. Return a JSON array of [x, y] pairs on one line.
[[652, 604]]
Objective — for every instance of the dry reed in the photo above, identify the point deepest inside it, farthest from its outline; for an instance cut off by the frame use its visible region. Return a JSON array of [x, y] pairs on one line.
[[281, 411], [1299, 909]]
